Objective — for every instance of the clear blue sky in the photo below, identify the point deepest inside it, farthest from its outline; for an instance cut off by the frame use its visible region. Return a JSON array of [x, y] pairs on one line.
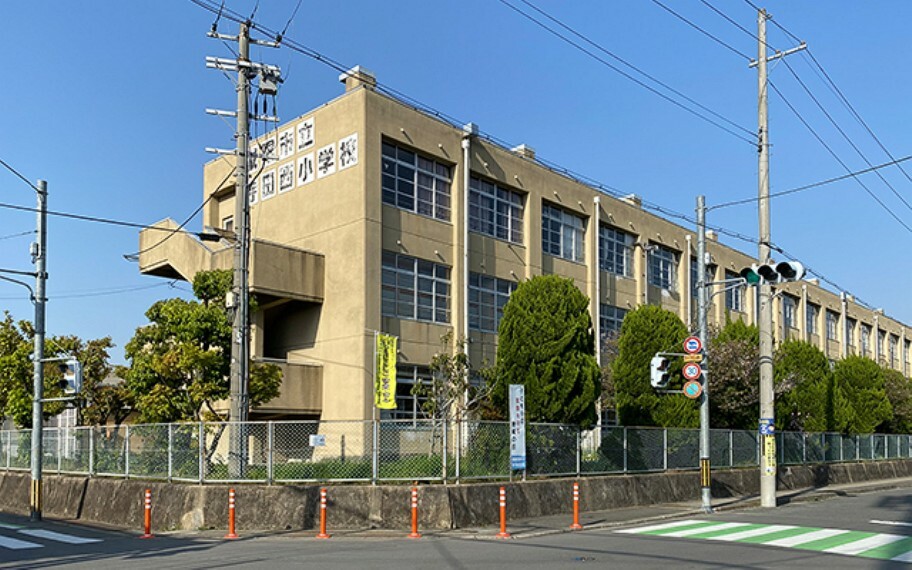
[[105, 101]]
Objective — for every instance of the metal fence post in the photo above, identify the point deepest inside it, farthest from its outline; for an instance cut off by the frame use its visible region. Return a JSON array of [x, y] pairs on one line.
[[841, 449], [127, 451], [873, 446], [170, 451], [270, 446], [202, 452], [625, 449], [458, 449], [579, 452], [665, 449], [731, 448], [375, 471], [446, 451], [59, 451], [804, 448], [91, 451], [9, 448]]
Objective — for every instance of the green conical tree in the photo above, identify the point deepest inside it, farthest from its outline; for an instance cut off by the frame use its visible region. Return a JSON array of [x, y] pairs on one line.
[[547, 344], [862, 382], [645, 331], [808, 397]]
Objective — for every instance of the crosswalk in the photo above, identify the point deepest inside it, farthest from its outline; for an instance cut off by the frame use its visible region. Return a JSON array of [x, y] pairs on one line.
[[11, 537], [881, 546]]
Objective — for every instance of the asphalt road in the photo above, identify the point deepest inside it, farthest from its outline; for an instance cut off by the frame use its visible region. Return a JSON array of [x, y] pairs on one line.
[[883, 519]]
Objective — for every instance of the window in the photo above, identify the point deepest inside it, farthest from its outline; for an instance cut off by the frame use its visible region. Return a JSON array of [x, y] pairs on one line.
[[708, 277], [734, 296], [812, 313], [415, 289], [228, 223], [831, 320], [789, 310], [562, 233], [487, 298], [610, 319], [906, 350], [865, 340], [408, 406], [415, 183], [892, 349], [663, 267], [495, 211], [616, 251], [850, 334], [881, 336]]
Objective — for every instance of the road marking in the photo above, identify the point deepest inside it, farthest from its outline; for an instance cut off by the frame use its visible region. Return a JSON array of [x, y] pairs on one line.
[[891, 523], [16, 544], [11, 526], [58, 536], [883, 546]]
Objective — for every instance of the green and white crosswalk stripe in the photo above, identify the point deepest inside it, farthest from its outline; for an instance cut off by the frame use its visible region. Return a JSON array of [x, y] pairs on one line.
[[894, 547]]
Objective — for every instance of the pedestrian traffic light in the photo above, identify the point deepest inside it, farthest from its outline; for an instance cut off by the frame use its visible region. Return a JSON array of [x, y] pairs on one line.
[[72, 376], [773, 272], [658, 371]]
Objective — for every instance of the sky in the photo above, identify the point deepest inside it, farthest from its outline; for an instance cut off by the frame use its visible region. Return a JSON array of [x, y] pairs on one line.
[[105, 101]]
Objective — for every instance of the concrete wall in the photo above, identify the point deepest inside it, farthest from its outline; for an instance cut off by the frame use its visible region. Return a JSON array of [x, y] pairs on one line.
[[119, 502]]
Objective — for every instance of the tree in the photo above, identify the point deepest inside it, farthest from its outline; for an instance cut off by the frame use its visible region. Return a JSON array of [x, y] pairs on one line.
[[17, 342], [808, 398], [899, 392], [179, 362], [733, 354], [455, 388], [646, 330], [546, 343], [862, 382]]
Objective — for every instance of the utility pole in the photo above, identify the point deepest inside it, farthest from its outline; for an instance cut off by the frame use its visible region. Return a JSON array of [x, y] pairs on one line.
[[239, 400], [39, 258], [765, 313], [702, 302]]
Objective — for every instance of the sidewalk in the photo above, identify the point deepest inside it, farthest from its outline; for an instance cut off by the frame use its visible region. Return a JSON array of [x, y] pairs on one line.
[[526, 528]]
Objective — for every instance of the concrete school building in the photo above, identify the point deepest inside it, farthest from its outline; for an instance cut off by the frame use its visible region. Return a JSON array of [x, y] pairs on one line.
[[370, 215]]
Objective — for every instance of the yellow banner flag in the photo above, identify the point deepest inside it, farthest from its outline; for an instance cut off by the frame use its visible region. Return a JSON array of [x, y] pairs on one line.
[[385, 389]]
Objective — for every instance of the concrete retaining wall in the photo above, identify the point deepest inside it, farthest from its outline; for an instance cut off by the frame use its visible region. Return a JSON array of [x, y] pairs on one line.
[[119, 502]]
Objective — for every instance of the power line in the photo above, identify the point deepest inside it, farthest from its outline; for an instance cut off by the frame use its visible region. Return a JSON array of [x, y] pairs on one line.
[[702, 31], [102, 292], [29, 232], [814, 185], [85, 218], [839, 160], [642, 84], [18, 174], [734, 23]]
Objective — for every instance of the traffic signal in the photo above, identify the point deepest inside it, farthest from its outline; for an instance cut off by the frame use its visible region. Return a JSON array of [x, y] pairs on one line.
[[773, 272], [72, 376], [658, 371]]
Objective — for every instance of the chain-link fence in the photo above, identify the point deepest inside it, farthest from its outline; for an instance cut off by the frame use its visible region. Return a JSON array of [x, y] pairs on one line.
[[407, 450]]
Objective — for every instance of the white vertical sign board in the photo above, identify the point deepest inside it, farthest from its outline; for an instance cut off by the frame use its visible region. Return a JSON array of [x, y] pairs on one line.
[[517, 427]]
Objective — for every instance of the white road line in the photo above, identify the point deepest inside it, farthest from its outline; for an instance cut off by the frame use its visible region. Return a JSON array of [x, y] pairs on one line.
[[807, 537], [753, 532], [904, 557], [663, 526], [16, 544], [857, 546], [10, 526], [58, 536], [891, 523], [702, 529]]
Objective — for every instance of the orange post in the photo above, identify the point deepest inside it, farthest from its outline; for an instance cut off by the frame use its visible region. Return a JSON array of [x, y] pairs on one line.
[[231, 533], [503, 514], [323, 514], [576, 524], [414, 533], [147, 514]]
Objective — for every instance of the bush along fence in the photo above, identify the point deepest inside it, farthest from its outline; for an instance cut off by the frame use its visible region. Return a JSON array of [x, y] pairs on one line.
[[407, 450]]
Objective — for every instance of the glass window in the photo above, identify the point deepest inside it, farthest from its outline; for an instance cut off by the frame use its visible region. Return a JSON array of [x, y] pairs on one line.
[[562, 233], [408, 406], [663, 267], [850, 334], [495, 211], [228, 223], [734, 295], [414, 288], [812, 313], [789, 310], [865, 340], [831, 325], [616, 251], [881, 336], [610, 320], [487, 298], [415, 183], [892, 349]]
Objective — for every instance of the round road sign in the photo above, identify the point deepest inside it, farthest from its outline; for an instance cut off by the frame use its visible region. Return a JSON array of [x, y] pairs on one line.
[[692, 345], [692, 371], [692, 389]]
